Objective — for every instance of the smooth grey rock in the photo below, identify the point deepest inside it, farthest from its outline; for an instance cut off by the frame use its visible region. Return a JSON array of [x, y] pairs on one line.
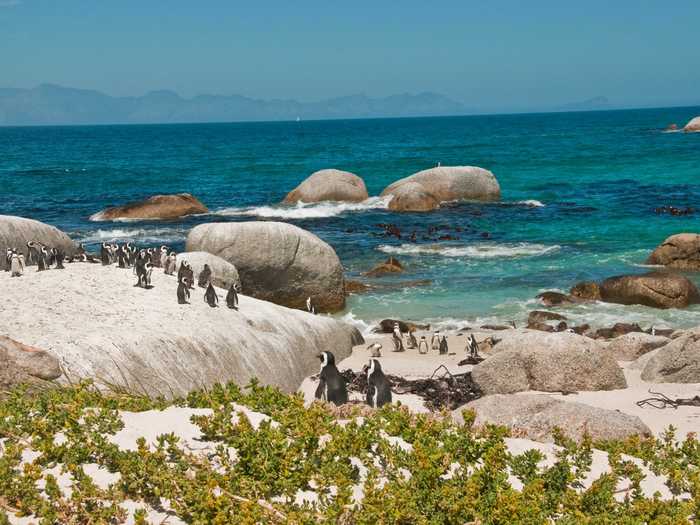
[[631, 346], [155, 207], [655, 289], [15, 232], [329, 185], [412, 197], [677, 362], [450, 183], [224, 274]]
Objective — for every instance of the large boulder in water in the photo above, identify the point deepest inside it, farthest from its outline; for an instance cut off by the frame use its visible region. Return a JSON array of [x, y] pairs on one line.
[[677, 362], [329, 185], [102, 327], [655, 289], [15, 232], [681, 251], [156, 207], [277, 262], [693, 125], [453, 183], [535, 416], [412, 197], [224, 274], [550, 362]]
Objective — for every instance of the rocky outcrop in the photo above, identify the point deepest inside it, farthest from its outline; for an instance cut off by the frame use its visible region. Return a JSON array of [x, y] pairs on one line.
[[536, 416], [391, 265], [555, 299], [22, 364], [15, 232], [329, 185], [533, 360], [540, 316], [681, 251], [277, 262], [617, 330], [224, 274], [586, 291], [386, 326], [631, 346], [655, 289], [412, 197], [144, 341], [677, 362], [452, 183], [693, 125], [156, 207]]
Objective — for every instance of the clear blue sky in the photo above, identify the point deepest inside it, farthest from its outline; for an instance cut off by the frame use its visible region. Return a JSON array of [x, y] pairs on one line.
[[496, 55]]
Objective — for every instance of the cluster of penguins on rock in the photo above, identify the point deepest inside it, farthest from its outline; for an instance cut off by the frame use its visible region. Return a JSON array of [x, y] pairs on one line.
[[332, 387], [144, 260], [37, 253]]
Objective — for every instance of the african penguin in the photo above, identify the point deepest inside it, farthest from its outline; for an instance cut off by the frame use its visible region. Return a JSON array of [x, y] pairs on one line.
[[443, 346], [376, 349], [232, 297], [204, 277], [331, 385], [183, 292], [210, 296], [16, 265], [378, 386]]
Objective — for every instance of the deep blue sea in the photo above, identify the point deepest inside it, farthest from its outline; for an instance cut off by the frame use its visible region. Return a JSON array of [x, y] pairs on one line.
[[579, 192]]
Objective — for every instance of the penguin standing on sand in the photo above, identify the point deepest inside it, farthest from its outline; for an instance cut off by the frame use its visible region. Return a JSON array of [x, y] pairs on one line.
[[183, 292], [163, 255], [423, 345], [210, 296], [376, 349], [16, 265], [8, 259], [122, 257], [204, 277], [32, 252], [398, 343], [397, 331], [58, 257], [170, 264], [104, 254], [308, 304], [186, 272], [378, 386], [331, 385], [412, 342], [435, 340], [443, 346], [232, 297], [472, 346], [42, 259]]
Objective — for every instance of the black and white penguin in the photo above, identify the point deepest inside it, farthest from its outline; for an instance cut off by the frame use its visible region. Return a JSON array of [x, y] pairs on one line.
[[412, 341], [170, 264], [204, 277], [375, 349], [32, 253], [58, 258], [232, 297], [122, 257], [16, 265], [148, 275], [163, 255], [423, 345], [443, 346], [140, 268], [435, 340], [331, 385], [309, 306], [183, 292], [378, 386], [8, 259], [210, 296], [187, 272], [104, 254], [43, 259], [473, 346]]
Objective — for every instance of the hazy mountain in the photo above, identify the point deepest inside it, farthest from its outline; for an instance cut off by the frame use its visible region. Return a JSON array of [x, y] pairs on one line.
[[51, 104], [591, 104]]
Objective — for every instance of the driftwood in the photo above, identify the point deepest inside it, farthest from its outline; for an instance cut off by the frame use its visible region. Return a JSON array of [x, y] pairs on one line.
[[442, 390], [661, 400]]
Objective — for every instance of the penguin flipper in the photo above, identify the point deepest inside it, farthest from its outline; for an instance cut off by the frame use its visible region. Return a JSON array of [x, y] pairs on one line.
[[320, 389]]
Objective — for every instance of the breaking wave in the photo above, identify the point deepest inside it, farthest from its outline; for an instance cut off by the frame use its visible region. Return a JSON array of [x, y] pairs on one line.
[[475, 251], [301, 210], [155, 235]]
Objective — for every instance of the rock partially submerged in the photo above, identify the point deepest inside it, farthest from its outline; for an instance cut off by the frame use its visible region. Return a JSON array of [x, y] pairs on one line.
[[449, 183], [143, 341], [681, 251], [224, 274], [22, 364], [15, 232], [693, 125], [386, 326], [555, 299], [391, 265], [412, 197], [535, 416], [277, 262], [655, 289], [549, 362], [156, 207], [677, 362], [329, 185]]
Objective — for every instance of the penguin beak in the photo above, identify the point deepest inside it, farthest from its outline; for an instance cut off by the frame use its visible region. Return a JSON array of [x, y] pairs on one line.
[[365, 369], [319, 357]]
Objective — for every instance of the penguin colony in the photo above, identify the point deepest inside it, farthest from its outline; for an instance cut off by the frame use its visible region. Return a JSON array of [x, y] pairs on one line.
[[45, 258]]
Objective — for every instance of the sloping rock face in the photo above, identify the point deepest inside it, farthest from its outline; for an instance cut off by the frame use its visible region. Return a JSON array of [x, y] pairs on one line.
[[536, 416], [277, 262], [15, 232], [680, 251], [450, 183], [655, 289], [24, 364], [549, 362], [391, 265], [100, 326], [412, 197], [677, 362], [630, 347], [224, 274], [329, 185], [693, 125], [156, 207]]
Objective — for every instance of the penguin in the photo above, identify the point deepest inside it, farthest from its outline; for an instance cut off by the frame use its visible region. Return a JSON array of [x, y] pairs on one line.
[[423, 345], [204, 277], [122, 257], [397, 331], [331, 385], [308, 304], [163, 255], [32, 252], [8, 259], [140, 269], [58, 257], [104, 254], [376, 349], [186, 271], [183, 292], [133, 252], [653, 330], [16, 265], [210, 296], [398, 343], [443, 346], [170, 264], [232, 297], [412, 342], [435, 340], [378, 386], [42, 259], [473, 346]]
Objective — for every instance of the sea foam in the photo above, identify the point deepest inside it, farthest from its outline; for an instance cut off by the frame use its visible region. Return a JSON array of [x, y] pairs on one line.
[[475, 251], [302, 210]]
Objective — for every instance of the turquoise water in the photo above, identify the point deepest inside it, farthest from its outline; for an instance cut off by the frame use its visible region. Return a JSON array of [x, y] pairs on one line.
[[579, 193]]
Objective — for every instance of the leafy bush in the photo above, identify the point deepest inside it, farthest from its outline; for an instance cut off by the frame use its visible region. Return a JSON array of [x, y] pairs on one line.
[[387, 466]]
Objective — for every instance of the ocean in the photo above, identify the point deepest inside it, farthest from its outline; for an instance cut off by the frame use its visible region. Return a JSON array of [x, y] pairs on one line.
[[579, 193]]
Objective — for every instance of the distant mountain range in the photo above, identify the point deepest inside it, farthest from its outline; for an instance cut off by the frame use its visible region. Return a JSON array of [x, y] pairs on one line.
[[50, 104]]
